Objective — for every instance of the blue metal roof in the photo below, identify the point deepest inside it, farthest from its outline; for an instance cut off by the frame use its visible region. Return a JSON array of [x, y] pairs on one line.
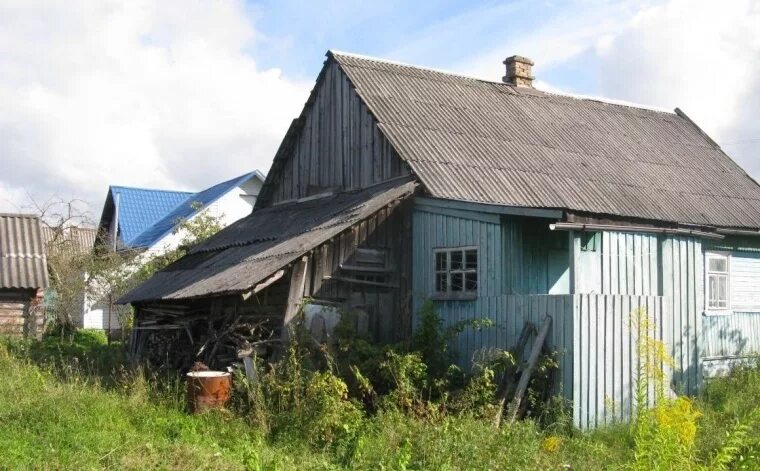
[[140, 208], [183, 210]]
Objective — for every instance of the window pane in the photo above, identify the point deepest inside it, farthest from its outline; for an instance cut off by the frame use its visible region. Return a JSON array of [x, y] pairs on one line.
[[471, 259], [712, 291], [471, 281], [723, 290], [440, 282], [457, 281], [718, 264], [440, 261], [456, 260]]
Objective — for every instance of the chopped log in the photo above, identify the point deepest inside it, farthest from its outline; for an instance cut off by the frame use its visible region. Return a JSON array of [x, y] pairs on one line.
[[522, 386]]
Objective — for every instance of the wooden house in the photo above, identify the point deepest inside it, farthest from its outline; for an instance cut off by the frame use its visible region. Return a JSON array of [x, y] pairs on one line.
[[23, 275], [397, 184]]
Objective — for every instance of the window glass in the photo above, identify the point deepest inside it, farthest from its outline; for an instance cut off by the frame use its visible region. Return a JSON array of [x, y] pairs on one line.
[[440, 261], [441, 284], [456, 260], [718, 264], [717, 281], [456, 271], [471, 259]]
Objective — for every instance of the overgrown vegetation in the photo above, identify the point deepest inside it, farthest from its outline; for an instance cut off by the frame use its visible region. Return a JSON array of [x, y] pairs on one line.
[[103, 275], [353, 405]]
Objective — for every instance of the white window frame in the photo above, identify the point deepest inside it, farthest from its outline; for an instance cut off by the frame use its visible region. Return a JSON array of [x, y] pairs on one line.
[[720, 311], [456, 295]]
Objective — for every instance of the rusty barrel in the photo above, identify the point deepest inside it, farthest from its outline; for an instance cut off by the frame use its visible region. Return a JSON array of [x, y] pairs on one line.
[[208, 390]]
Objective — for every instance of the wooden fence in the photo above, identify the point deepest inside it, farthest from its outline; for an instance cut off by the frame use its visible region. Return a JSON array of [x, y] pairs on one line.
[[595, 336]]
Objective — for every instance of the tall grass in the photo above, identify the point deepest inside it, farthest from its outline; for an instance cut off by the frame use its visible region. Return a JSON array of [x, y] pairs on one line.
[[74, 406]]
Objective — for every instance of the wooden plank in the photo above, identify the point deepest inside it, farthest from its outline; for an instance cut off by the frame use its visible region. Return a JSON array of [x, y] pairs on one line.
[[522, 386], [295, 296], [577, 377]]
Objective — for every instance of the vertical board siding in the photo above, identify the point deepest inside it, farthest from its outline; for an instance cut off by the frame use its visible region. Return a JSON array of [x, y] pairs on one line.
[[338, 145], [736, 334], [623, 263], [683, 291], [606, 358], [595, 337]]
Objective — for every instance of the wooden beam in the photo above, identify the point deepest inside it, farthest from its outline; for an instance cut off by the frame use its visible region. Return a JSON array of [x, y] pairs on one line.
[[574, 266], [264, 284], [295, 295], [490, 208], [522, 386]]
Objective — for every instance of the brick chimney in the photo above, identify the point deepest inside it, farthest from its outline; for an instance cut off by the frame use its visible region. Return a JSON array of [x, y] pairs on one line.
[[518, 71]]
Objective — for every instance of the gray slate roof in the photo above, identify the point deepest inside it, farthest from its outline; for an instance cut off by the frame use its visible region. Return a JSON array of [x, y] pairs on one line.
[[23, 261], [255, 247], [473, 140]]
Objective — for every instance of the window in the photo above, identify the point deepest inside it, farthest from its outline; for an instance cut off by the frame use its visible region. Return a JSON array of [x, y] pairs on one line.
[[456, 272], [717, 281]]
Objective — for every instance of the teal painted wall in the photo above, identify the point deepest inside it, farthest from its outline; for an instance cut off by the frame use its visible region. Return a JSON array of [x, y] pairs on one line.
[[538, 258], [520, 256], [622, 263]]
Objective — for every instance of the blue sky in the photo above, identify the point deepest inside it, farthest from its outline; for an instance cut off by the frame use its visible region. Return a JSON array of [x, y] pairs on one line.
[[182, 94]]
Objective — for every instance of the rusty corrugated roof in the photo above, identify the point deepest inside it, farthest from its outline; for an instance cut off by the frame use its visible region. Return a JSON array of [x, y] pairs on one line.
[[23, 260], [250, 250], [481, 141]]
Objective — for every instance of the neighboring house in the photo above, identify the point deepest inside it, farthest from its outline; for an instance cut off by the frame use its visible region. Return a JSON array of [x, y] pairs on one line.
[[397, 184], [146, 220], [79, 241], [23, 275]]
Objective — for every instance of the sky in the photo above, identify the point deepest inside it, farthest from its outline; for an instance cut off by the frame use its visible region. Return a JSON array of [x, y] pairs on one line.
[[183, 94]]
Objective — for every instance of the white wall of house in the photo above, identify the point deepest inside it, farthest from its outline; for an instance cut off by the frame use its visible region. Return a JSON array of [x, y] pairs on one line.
[[235, 204]]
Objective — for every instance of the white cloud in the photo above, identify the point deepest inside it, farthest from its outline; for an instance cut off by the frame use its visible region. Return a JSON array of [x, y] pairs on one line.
[[155, 94], [701, 56]]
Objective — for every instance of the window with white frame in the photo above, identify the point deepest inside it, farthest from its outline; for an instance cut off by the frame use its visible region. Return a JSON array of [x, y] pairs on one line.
[[456, 272], [718, 281]]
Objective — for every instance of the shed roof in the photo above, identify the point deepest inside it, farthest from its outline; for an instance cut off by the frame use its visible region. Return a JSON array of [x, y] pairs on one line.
[[23, 260], [255, 247], [475, 140]]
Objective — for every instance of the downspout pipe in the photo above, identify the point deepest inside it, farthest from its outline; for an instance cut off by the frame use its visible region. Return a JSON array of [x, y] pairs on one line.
[[575, 226]]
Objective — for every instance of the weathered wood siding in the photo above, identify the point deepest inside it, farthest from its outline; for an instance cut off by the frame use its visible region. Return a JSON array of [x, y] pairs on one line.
[[731, 335], [605, 361], [337, 145], [388, 307], [683, 289], [21, 313], [537, 258], [622, 263]]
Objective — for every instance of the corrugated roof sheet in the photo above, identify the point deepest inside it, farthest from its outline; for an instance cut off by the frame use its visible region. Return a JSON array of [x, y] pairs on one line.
[[23, 261], [255, 247], [187, 208], [80, 239], [140, 208], [480, 141]]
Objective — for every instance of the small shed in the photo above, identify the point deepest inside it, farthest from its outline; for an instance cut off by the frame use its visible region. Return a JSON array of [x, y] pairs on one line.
[[23, 275]]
